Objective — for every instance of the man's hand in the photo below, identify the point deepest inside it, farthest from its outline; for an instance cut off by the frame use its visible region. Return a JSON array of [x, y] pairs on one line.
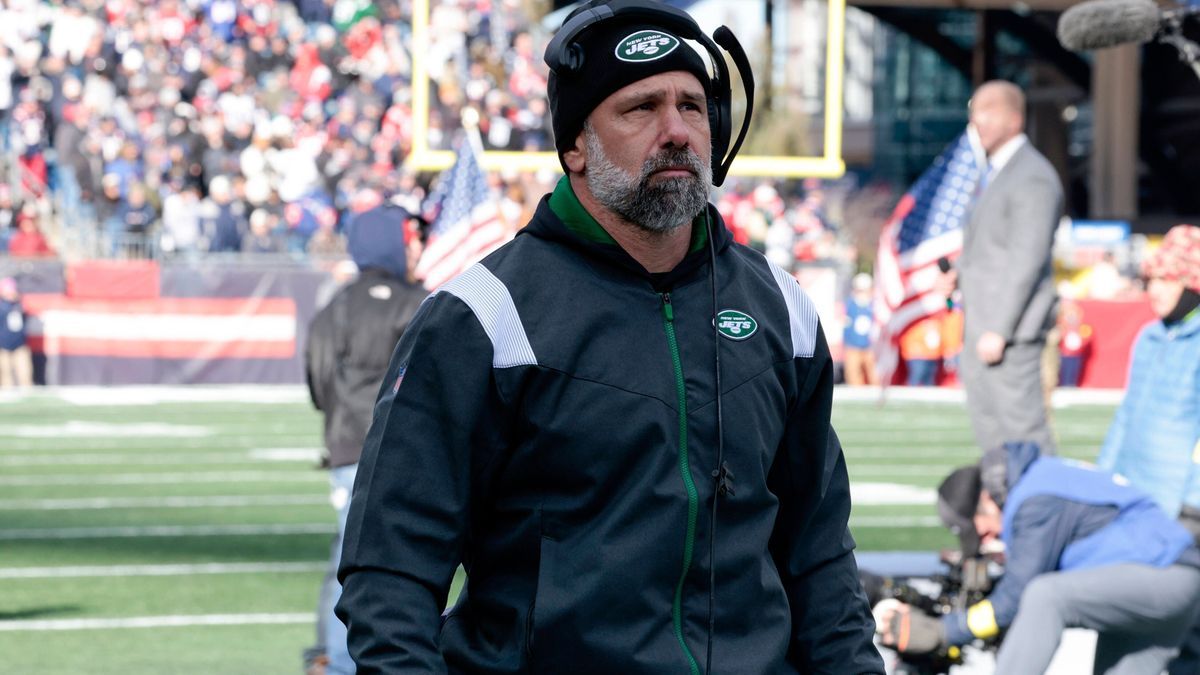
[[945, 283], [990, 348], [906, 631]]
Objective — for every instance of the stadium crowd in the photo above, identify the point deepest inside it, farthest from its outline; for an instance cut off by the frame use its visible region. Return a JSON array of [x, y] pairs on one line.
[[260, 126]]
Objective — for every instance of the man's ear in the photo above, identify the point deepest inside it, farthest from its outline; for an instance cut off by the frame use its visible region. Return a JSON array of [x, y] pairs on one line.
[[576, 157]]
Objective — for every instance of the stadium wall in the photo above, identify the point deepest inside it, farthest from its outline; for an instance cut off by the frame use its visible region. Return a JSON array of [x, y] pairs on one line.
[[139, 322]]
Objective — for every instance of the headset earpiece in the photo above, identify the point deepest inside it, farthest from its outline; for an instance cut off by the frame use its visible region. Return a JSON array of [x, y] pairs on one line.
[[573, 57]]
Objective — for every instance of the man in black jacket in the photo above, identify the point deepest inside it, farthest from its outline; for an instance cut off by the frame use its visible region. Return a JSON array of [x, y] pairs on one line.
[[349, 342], [553, 424]]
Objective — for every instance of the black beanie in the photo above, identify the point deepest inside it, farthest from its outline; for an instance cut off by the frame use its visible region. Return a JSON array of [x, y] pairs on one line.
[[615, 54], [958, 496]]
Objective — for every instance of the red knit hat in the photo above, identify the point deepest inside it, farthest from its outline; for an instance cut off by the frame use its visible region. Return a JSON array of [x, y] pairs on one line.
[[1177, 258]]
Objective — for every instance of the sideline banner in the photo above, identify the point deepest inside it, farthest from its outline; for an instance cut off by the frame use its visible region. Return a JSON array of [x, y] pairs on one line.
[[204, 324]]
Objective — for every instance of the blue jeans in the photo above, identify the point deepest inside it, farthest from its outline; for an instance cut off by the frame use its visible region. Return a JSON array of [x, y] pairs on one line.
[[922, 372], [341, 485], [1069, 370]]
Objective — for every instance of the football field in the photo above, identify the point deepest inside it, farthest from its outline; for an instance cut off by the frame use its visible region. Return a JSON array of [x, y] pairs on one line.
[[181, 531]]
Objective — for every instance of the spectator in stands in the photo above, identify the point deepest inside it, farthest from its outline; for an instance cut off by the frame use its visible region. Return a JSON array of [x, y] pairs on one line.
[[350, 342], [1074, 343], [262, 238], [921, 349], [16, 362], [29, 242], [127, 167], [222, 219], [181, 219], [326, 242], [1154, 440], [858, 361], [1104, 279], [6, 94], [8, 216], [136, 218]]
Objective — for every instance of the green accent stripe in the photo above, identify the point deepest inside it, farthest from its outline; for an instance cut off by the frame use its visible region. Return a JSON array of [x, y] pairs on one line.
[[689, 541], [566, 206]]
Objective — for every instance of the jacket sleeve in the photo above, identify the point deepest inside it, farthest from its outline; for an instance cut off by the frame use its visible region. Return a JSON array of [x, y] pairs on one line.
[[832, 627], [1034, 209], [437, 423], [1191, 494], [1114, 440], [320, 358], [1110, 450], [1041, 531]]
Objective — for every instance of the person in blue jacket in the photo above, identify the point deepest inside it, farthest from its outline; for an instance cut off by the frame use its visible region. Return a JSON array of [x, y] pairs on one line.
[[16, 361], [1154, 440], [1083, 549], [618, 422]]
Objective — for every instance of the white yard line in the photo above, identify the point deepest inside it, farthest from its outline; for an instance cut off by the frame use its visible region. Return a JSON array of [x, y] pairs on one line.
[[900, 453], [227, 501], [88, 430], [891, 494], [12, 534], [77, 571], [178, 620], [1062, 397], [150, 395], [164, 457], [152, 443], [907, 470], [894, 521], [198, 477]]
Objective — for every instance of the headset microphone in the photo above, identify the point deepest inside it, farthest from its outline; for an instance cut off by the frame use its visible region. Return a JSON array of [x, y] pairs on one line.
[[729, 42]]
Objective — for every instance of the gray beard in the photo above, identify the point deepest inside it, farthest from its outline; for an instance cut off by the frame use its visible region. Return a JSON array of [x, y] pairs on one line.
[[666, 205]]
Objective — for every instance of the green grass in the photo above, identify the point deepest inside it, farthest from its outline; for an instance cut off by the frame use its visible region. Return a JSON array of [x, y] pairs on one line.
[[53, 450]]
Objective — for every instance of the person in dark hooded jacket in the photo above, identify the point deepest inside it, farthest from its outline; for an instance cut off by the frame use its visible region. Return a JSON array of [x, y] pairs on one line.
[[618, 423], [1082, 549], [349, 344]]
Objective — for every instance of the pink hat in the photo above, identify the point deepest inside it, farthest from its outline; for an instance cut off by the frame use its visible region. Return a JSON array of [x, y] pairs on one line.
[[8, 285], [1177, 258]]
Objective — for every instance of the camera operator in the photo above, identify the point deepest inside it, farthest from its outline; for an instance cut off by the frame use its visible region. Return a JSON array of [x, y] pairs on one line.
[[1083, 549]]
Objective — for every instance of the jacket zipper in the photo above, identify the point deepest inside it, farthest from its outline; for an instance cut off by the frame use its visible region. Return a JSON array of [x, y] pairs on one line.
[[689, 541]]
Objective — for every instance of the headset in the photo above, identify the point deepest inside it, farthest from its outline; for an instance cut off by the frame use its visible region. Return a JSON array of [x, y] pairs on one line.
[[565, 57]]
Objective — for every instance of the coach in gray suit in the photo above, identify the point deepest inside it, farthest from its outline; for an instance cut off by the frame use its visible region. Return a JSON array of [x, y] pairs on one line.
[[1005, 275]]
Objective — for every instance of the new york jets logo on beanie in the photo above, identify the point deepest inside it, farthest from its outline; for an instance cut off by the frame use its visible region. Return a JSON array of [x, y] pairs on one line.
[[646, 45], [615, 55]]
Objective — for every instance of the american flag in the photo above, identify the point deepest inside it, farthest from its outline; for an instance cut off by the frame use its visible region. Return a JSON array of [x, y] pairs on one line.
[[466, 221], [926, 225]]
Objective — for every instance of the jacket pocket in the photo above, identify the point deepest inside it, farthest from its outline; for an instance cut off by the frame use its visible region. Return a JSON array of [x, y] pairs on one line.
[[544, 606]]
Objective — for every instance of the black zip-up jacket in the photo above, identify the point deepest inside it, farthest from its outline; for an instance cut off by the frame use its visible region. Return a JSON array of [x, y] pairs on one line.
[[346, 355], [549, 421]]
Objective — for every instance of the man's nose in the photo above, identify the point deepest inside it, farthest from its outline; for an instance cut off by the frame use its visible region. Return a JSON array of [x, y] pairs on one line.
[[676, 132]]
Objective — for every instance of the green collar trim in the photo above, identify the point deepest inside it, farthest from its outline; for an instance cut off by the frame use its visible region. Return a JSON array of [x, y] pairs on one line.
[[566, 206], [570, 211]]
